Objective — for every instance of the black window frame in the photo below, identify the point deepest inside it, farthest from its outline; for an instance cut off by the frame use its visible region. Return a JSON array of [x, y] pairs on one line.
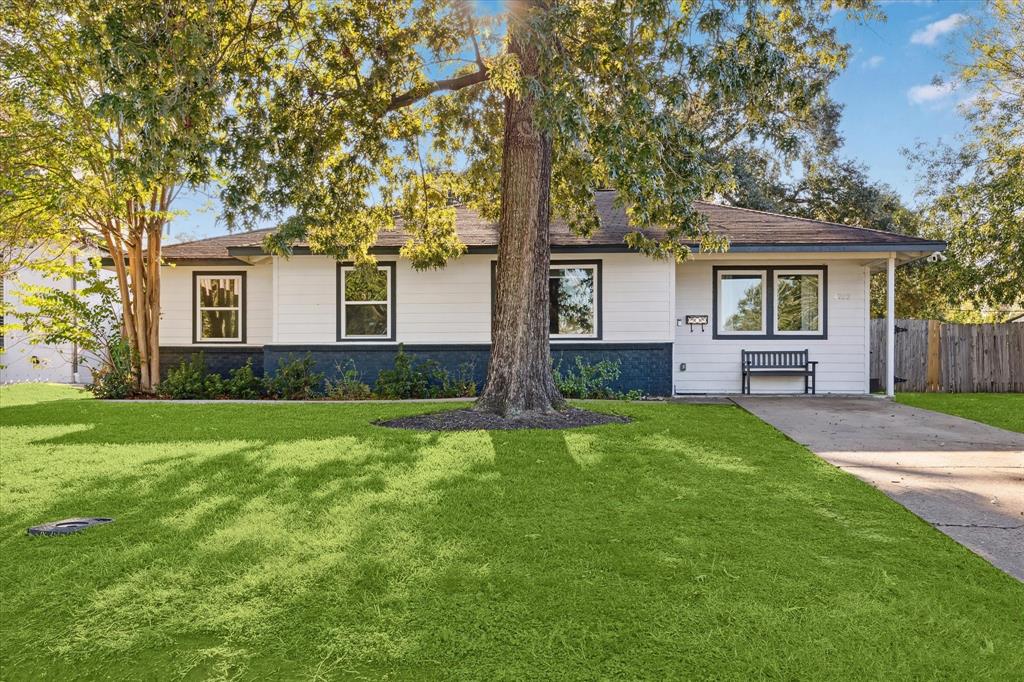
[[392, 304], [243, 313], [598, 265], [769, 302]]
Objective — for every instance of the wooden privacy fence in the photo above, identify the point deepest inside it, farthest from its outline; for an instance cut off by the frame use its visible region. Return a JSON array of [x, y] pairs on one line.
[[955, 358]]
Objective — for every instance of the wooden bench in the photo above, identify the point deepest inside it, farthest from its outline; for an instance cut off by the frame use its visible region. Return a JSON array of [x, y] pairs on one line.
[[779, 363]]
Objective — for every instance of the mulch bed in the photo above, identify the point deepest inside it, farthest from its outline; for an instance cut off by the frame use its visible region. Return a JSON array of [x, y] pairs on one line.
[[469, 420]]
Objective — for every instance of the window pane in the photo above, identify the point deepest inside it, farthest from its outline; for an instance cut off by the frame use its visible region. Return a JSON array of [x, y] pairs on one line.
[[739, 303], [572, 301], [797, 297], [219, 292], [219, 324], [366, 320], [362, 286]]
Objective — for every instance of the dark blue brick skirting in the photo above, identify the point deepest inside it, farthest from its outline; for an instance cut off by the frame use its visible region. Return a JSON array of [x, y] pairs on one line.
[[646, 367]]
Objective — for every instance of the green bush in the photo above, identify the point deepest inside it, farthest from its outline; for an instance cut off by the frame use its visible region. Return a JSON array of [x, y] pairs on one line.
[[588, 380], [190, 381], [295, 379], [462, 385], [403, 381], [243, 384], [409, 379], [115, 379], [349, 385]]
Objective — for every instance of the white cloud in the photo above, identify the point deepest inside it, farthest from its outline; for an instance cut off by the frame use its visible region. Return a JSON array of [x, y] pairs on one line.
[[933, 92], [873, 62], [930, 33]]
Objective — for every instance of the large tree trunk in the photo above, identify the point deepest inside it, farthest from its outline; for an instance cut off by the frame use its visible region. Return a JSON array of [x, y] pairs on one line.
[[519, 375]]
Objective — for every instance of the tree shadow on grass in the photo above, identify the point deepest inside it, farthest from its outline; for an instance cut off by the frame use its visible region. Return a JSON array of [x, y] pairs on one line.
[[157, 422]]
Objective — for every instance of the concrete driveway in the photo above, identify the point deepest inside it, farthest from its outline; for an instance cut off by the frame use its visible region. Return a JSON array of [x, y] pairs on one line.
[[963, 477]]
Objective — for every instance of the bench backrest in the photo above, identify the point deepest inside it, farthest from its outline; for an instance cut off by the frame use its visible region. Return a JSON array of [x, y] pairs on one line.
[[771, 359]]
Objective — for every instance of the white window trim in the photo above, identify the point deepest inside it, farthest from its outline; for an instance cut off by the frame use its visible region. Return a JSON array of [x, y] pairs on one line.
[[200, 309], [762, 330], [597, 310], [820, 331], [344, 302]]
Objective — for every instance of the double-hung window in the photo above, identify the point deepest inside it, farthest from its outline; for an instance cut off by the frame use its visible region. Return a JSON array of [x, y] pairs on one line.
[[574, 310], [219, 307], [770, 302], [366, 303]]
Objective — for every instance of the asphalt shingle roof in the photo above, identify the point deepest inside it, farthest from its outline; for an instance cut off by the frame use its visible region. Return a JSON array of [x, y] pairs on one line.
[[742, 227]]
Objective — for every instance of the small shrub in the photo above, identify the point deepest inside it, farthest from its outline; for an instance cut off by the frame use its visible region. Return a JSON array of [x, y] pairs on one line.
[[409, 379], [189, 380], [588, 380], [405, 380], [115, 378], [295, 379], [462, 385], [243, 384], [349, 384]]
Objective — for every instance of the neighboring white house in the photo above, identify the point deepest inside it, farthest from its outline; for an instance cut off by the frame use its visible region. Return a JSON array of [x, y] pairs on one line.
[[22, 360], [785, 284]]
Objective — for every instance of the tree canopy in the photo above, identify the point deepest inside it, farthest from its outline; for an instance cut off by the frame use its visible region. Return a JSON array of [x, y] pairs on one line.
[[364, 112], [974, 190], [109, 108]]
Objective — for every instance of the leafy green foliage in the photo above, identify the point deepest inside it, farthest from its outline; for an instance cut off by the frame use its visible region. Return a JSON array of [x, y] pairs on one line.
[[115, 379], [348, 129], [349, 385], [87, 315], [974, 191], [112, 106], [243, 383], [294, 379], [190, 380], [409, 379], [588, 380]]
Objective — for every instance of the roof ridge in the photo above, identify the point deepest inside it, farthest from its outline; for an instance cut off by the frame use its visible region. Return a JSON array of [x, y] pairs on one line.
[[811, 220], [220, 236]]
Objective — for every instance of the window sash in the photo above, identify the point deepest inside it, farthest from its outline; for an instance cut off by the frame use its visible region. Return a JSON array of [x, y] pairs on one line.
[[821, 302], [200, 280], [762, 275], [593, 297], [346, 303]]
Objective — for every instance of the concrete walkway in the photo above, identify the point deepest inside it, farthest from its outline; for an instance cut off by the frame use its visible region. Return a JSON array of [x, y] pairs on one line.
[[963, 477]]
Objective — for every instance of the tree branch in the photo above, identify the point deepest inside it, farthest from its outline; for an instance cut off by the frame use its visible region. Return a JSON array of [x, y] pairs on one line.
[[453, 84]]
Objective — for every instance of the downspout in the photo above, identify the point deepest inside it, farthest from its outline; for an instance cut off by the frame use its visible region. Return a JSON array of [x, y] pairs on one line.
[[74, 344]]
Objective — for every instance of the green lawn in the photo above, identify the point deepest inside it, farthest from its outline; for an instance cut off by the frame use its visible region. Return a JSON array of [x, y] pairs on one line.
[[1005, 410], [299, 541]]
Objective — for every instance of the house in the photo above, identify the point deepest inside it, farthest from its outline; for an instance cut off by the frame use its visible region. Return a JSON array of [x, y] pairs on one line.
[[24, 358], [785, 284]]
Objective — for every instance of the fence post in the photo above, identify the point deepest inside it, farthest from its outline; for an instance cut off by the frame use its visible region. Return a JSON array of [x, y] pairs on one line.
[[933, 372]]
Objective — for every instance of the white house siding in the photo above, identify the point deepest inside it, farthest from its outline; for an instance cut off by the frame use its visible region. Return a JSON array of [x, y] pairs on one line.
[[452, 305], [176, 302], [22, 360], [713, 365]]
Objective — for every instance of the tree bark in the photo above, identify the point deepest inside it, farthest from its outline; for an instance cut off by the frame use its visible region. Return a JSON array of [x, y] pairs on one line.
[[519, 376]]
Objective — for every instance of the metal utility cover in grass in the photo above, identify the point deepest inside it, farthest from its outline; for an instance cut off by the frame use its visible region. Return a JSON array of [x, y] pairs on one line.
[[67, 526]]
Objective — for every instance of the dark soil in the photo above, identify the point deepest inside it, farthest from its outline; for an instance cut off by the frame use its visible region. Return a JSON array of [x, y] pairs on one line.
[[469, 420]]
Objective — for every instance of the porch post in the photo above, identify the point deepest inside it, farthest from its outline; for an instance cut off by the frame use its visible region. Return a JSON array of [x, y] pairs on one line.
[[890, 326]]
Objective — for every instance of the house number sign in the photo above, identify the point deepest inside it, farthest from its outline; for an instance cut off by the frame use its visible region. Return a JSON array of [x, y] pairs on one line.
[[694, 320]]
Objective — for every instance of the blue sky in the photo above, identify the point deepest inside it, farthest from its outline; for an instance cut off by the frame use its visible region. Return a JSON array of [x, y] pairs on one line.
[[887, 91]]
